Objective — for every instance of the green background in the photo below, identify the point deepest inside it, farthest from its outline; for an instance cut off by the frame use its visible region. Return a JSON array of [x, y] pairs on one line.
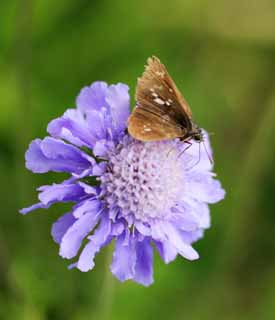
[[222, 56]]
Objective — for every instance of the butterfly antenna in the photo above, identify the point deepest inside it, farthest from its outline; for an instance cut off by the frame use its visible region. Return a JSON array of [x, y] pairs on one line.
[[208, 155]]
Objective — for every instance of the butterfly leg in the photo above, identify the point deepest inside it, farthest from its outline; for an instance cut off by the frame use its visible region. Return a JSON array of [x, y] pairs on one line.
[[185, 149], [189, 145], [198, 161], [168, 153]]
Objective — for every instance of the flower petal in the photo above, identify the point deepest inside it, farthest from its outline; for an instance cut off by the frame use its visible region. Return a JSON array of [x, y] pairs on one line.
[[157, 232], [85, 206], [191, 237], [72, 127], [202, 213], [60, 227], [98, 122], [202, 187], [144, 263], [124, 258], [99, 169], [54, 155], [184, 249], [119, 101], [143, 228], [56, 193], [191, 215], [117, 228], [92, 97], [60, 193], [89, 189], [72, 239], [99, 239], [167, 252], [33, 207], [184, 218], [101, 148]]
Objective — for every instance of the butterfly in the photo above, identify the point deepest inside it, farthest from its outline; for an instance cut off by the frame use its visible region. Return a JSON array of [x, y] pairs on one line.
[[161, 112]]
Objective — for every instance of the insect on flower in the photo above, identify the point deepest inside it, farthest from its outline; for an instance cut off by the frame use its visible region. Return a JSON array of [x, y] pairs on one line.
[[161, 111], [123, 190]]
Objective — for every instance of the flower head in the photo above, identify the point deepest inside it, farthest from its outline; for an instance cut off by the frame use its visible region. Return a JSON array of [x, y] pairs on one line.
[[137, 194]]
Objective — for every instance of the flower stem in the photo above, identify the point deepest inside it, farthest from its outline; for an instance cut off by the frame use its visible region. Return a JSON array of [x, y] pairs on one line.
[[107, 292]]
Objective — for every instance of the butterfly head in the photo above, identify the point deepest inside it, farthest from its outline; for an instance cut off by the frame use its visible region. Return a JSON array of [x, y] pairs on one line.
[[197, 134]]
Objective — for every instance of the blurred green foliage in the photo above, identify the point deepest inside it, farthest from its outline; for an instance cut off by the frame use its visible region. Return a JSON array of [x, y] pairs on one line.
[[222, 56]]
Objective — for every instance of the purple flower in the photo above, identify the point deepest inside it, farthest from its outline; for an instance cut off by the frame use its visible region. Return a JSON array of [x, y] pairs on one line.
[[137, 194]]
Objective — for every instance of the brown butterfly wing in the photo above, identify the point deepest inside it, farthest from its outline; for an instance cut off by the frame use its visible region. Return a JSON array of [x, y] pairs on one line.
[[161, 112], [145, 125]]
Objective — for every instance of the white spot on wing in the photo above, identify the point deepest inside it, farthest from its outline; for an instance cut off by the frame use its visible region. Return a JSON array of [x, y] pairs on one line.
[[160, 73], [159, 101]]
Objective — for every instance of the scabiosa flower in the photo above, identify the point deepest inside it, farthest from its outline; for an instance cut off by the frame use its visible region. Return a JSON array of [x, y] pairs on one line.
[[140, 195]]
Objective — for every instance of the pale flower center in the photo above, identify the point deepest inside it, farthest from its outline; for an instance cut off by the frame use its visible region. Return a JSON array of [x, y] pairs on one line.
[[144, 179]]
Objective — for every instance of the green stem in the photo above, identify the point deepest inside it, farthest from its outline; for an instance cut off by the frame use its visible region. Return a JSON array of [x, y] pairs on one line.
[[108, 288]]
